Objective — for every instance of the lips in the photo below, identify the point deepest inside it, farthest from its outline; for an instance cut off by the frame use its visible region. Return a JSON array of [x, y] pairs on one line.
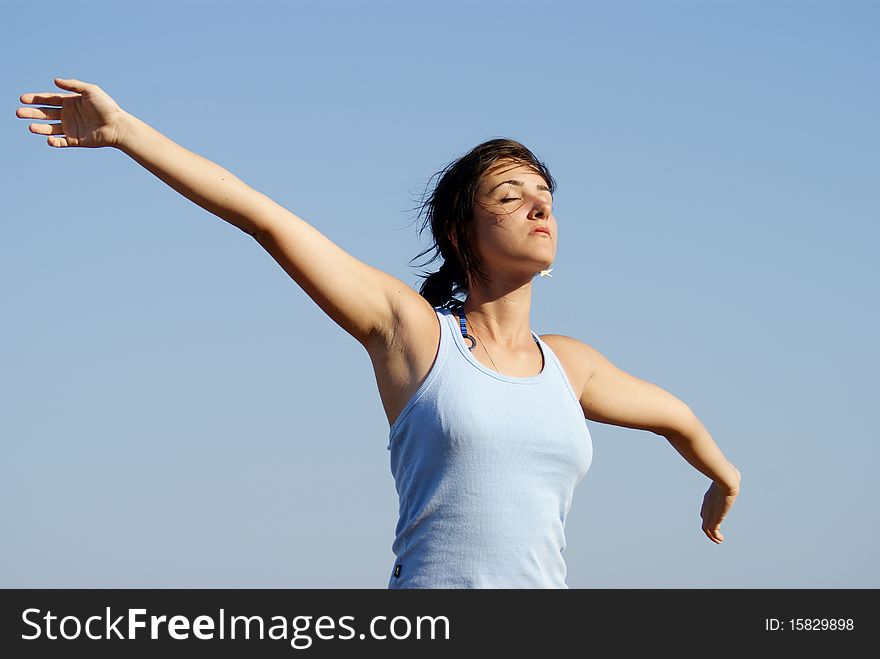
[[541, 231]]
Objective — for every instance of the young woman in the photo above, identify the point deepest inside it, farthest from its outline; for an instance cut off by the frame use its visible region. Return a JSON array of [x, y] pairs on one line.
[[487, 419]]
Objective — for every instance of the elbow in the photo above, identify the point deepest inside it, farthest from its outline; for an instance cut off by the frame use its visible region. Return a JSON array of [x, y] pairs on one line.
[[254, 230], [682, 424]]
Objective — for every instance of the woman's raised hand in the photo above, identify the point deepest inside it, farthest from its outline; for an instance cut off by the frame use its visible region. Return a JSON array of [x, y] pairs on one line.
[[88, 116]]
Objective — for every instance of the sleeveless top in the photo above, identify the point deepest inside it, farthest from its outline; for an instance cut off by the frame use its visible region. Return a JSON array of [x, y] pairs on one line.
[[485, 465]]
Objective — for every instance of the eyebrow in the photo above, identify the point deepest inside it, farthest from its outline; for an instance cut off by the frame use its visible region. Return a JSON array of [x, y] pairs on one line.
[[518, 183]]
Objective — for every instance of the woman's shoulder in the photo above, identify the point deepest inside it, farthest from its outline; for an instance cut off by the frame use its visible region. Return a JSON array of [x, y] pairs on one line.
[[574, 355], [566, 343]]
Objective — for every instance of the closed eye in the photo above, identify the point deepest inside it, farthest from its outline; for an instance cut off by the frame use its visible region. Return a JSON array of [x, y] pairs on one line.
[[509, 199]]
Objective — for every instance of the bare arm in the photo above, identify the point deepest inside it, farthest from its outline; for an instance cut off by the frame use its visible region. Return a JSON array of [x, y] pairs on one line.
[[198, 179], [695, 444], [616, 397], [358, 297], [355, 295], [613, 396]]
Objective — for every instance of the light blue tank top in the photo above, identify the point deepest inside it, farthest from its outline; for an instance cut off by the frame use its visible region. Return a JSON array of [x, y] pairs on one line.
[[485, 465]]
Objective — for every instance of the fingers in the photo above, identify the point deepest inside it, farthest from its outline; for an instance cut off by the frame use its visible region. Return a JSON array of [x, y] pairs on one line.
[[56, 100], [713, 532], [78, 87], [711, 535], [74, 85], [711, 524], [39, 113], [45, 98], [46, 129]]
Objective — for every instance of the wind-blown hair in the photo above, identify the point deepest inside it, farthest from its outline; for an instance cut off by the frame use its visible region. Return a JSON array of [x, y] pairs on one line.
[[449, 211]]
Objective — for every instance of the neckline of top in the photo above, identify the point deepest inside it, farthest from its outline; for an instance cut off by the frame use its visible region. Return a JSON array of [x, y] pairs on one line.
[[458, 339]]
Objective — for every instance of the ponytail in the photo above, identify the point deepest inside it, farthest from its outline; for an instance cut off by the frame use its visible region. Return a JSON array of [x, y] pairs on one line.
[[441, 287]]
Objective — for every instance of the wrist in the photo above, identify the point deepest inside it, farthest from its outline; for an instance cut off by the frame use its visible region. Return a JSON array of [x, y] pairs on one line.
[[730, 484], [123, 130]]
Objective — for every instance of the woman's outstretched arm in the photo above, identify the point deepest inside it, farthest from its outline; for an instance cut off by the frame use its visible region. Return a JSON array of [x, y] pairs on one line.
[[610, 395], [613, 396], [358, 297]]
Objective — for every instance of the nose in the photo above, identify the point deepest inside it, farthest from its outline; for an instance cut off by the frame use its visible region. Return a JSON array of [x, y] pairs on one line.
[[540, 208]]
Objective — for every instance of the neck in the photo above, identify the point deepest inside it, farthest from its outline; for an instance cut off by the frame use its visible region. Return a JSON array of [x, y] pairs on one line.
[[501, 313]]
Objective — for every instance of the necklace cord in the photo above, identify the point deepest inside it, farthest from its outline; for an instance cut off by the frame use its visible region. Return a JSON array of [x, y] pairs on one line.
[[462, 321]]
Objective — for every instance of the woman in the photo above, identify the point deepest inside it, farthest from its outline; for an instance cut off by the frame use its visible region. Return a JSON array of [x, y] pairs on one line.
[[487, 432]]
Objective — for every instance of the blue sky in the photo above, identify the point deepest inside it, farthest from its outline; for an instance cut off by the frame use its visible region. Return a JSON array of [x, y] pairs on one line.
[[175, 411]]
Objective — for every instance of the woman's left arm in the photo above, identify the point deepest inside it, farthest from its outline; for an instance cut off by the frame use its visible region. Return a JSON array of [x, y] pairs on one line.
[[613, 396]]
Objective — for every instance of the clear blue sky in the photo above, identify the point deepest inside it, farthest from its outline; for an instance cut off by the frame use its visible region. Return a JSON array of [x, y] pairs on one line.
[[175, 411]]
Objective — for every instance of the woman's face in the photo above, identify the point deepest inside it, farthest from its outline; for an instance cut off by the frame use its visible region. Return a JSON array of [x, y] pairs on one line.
[[512, 202]]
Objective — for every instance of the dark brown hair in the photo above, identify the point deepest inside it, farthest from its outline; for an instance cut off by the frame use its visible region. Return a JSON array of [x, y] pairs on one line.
[[449, 211]]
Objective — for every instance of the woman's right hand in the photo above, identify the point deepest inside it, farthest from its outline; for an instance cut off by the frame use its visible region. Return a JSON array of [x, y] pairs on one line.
[[88, 116], [717, 502]]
